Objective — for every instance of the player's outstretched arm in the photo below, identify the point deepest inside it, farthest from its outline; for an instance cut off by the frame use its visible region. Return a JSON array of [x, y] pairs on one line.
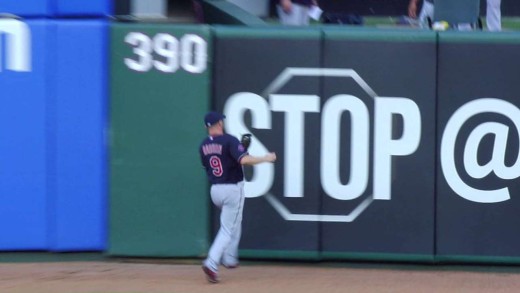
[[252, 160]]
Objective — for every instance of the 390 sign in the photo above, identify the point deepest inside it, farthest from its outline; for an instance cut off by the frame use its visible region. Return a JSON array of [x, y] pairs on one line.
[[166, 53]]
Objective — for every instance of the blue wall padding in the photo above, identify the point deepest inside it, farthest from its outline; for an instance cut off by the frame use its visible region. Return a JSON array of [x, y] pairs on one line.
[[27, 8], [83, 8], [52, 147], [78, 193], [57, 8], [23, 96]]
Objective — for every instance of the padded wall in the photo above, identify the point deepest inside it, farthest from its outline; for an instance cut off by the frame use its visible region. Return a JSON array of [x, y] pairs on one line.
[[160, 78]]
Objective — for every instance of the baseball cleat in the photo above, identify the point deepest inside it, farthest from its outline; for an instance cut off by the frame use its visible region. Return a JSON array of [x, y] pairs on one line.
[[211, 276]]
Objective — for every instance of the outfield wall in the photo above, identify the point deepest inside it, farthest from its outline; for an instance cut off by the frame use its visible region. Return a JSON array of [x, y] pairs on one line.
[[52, 145], [57, 8], [321, 104], [160, 86], [478, 147], [392, 145]]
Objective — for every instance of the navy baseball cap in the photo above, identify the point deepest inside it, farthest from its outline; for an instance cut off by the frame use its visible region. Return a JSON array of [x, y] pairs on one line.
[[212, 118]]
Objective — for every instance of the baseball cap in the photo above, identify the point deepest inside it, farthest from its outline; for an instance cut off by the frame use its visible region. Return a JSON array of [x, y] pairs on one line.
[[212, 118]]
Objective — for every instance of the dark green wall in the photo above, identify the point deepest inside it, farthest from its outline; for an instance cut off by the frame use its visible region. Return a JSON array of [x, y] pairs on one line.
[[158, 194]]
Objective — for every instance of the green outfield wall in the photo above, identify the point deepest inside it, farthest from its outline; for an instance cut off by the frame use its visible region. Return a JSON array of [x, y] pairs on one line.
[[160, 82]]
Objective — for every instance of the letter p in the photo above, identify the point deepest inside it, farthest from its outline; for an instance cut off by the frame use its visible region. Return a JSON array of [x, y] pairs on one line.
[[385, 147]]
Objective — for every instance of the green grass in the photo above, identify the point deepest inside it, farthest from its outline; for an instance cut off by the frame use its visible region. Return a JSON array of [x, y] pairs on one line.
[[508, 23], [511, 23]]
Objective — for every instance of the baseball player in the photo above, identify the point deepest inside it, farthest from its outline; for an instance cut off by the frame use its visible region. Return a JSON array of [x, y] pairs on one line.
[[222, 156]]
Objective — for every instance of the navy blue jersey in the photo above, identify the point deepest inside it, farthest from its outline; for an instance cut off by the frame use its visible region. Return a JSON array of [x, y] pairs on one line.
[[221, 156]]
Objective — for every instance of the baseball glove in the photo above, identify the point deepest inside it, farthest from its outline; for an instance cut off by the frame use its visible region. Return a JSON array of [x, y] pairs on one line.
[[246, 140]]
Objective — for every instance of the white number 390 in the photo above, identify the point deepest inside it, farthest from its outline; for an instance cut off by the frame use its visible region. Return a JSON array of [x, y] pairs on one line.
[[188, 53]]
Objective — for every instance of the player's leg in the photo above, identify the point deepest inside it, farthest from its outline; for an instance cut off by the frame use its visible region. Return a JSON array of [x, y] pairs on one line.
[[228, 195], [493, 15], [426, 12], [230, 257]]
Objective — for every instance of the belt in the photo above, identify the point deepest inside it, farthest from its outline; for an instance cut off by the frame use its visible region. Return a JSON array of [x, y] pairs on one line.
[[224, 183]]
